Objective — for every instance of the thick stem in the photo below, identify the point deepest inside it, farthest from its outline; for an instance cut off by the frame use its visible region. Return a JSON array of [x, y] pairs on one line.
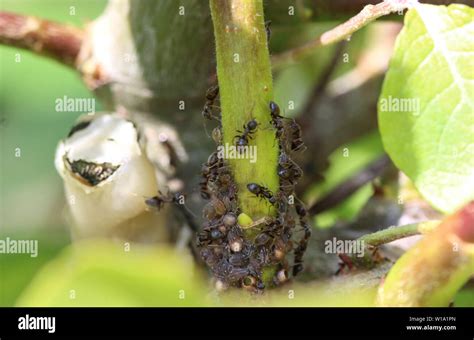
[[245, 81]]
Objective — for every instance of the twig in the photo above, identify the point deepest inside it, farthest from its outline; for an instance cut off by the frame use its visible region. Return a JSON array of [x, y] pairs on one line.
[[43, 37], [371, 242], [344, 30], [306, 114], [351, 185], [336, 9], [395, 233]]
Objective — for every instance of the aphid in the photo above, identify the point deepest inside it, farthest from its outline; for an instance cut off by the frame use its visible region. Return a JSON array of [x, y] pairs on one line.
[[243, 139], [297, 143], [288, 169], [216, 234], [215, 208], [208, 110], [209, 172], [262, 192], [203, 238], [235, 274], [262, 239], [235, 239], [229, 220], [205, 194], [236, 245], [217, 135], [209, 257], [238, 259]]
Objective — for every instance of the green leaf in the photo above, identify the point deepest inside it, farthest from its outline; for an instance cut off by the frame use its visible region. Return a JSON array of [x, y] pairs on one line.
[[103, 273], [429, 136]]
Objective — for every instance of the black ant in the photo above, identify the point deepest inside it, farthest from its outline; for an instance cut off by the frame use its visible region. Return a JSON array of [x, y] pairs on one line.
[[158, 201], [262, 192], [277, 119], [293, 127], [177, 198], [211, 95], [243, 139], [303, 244]]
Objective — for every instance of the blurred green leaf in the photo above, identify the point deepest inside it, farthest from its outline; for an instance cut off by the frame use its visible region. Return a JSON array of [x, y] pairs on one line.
[[102, 273], [427, 103], [345, 162], [17, 270]]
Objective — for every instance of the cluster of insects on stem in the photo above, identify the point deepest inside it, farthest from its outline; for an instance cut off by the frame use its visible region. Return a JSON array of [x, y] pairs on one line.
[[234, 258]]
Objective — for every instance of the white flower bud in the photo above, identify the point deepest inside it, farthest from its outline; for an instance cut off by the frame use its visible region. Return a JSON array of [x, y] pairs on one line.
[[107, 178]]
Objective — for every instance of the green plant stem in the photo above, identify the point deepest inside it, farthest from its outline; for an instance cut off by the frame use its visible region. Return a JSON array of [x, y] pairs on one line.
[[245, 81], [394, 233], [388, 235]]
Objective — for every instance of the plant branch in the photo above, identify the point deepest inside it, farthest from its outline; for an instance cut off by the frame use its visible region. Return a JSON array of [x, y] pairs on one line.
[[320, 87], [57, 41], [395, 233], [372, 241], [245, 82], [344, 30], [351, 185]]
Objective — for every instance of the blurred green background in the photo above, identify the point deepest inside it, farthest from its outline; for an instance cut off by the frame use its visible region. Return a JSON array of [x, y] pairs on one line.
[[31, 196]]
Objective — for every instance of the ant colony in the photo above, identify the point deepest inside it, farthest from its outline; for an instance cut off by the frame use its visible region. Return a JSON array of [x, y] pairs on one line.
[[235, 258]]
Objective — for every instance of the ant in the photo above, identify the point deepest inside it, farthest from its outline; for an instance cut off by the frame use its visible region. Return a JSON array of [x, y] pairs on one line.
[[243, 139], [277, 119], [159, 200], [262, 192], [178, 199], [211, 95], [294, 129], [303, 243]]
